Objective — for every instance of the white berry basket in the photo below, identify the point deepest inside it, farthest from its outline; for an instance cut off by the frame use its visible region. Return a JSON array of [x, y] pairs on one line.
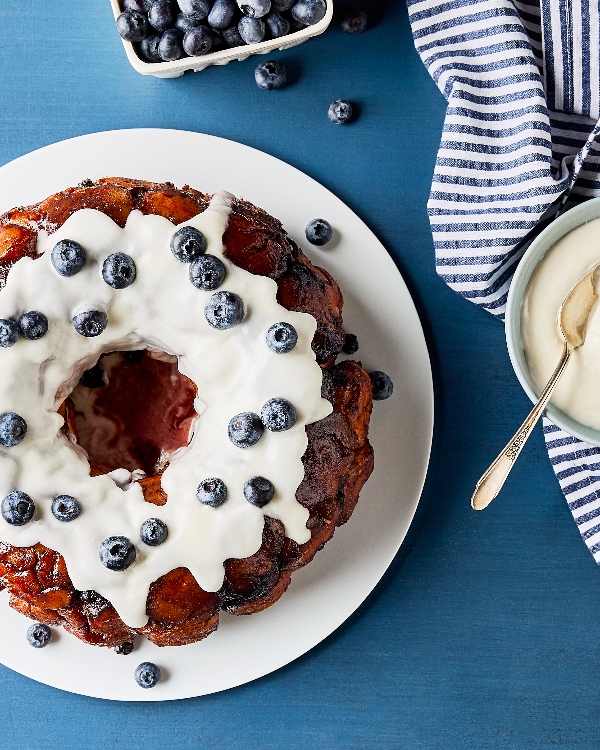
[[178, 67]]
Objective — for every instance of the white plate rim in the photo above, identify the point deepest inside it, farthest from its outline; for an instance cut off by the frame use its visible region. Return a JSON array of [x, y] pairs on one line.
[[73, 666]]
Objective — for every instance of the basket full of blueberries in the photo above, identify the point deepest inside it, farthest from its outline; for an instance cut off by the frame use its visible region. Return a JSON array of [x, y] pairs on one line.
[[166, 31]]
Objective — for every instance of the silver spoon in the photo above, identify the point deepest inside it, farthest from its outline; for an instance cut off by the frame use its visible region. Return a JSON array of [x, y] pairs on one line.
[[573, 317]]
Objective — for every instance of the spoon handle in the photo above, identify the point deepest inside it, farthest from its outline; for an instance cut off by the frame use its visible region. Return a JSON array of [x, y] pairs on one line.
[[492, 481]]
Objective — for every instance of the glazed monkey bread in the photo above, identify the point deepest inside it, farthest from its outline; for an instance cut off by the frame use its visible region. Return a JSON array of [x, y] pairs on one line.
[[148, 410]]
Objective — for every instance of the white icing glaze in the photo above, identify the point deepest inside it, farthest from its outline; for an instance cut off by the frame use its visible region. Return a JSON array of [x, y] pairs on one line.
[[577, 393], [234, 371]]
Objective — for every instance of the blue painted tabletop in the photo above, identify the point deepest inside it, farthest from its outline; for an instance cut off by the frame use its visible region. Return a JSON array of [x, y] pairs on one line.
[[484, 632]]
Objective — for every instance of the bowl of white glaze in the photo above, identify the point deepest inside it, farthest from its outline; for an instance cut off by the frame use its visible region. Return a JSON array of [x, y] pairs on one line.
[[177, 68], [518, 296]]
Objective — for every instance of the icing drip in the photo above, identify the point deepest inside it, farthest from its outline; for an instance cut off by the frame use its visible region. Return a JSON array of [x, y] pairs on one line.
[[234, 371]]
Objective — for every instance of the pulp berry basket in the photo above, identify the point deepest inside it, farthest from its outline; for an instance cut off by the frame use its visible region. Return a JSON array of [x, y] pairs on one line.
[[222, 57]]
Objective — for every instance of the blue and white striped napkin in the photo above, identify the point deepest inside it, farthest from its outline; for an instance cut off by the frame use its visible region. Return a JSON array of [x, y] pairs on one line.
[[521, 137]]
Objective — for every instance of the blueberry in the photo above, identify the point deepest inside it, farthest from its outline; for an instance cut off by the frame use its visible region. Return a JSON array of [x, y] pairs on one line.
[[148, 49], [218, 43], [117, 553], [252, 30], [382, 385], [207, 272], [161, 15], [350, 344], [270, 75], [170, 46], [212, 492], [154, 532], [187, 244], [33, 325], [282, 338], [134, 357], [183, 22], [245, 429], [197, 9], [38, 635], [318, 232], [132, 26], [91, 323], [197, 41], [297, 26], [13, 429], [147, 674], [124, 648], [224, 310], [17, 509], [278, 414], [222, 13], [309, 11], [9, 332], [254, 8], [355, 21], [281, 5], [277, 25], [119, 270], [142, 6], [339, 112], [259, 491], [68, 257], [232, 36], [93, 378], [65, 508]]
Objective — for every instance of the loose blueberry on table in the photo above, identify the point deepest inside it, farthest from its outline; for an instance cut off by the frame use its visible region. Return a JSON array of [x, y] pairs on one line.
[[38, 635], [318, 232], [340, 112], [270, 75], [355, 21]]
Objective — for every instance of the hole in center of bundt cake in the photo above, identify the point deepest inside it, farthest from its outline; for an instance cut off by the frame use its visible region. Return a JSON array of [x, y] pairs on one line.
[[132, 411]]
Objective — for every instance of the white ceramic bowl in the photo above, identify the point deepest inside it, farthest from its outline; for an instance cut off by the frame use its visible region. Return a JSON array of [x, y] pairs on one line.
[[178, 67], [570, 220]]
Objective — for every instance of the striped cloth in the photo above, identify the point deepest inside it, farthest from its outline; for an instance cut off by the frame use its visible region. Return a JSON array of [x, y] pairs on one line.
[[521, 137]]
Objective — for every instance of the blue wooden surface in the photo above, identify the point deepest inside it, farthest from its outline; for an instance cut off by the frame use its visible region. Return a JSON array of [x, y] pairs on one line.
[[484, 634]]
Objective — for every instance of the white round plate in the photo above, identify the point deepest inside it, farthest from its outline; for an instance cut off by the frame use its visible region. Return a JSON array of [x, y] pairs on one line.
[[378, 309]]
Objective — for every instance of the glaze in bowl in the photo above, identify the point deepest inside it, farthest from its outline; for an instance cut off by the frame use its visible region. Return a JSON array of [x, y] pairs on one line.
[[561, 226]]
